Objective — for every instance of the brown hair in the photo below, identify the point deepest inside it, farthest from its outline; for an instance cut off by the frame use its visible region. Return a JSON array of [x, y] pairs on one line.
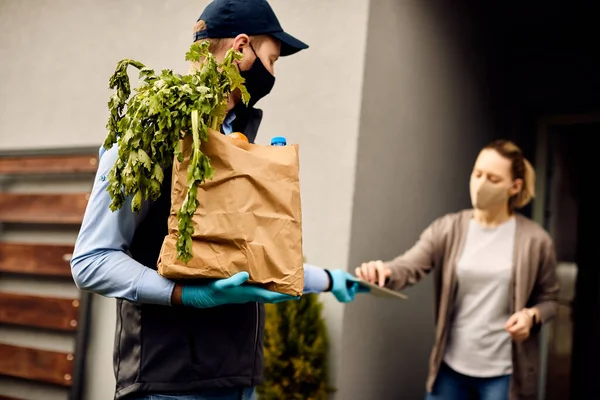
[[215, 43], [521, 169]]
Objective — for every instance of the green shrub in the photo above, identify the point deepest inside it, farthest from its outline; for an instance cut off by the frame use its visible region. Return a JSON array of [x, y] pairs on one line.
[[296, 346]]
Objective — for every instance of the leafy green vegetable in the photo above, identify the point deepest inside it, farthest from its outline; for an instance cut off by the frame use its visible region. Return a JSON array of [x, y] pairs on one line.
[[148, 127]]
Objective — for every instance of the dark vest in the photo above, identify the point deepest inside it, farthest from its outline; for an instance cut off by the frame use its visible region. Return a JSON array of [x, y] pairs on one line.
[[162, 349]]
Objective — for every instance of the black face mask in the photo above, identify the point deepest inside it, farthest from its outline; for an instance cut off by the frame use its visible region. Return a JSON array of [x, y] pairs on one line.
[[259, 81]]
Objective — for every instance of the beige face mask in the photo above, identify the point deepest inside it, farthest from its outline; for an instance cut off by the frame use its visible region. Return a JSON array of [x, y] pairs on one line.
[[486, 195]]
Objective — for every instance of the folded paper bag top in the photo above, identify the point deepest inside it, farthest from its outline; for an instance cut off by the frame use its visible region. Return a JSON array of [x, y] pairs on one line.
[[249, 217]]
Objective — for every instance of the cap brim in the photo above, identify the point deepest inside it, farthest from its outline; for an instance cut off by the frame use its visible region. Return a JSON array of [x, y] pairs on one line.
[[289, 44]]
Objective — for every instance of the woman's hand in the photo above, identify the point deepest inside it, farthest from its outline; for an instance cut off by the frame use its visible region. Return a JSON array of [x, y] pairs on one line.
[[374, 272], [519, 325]]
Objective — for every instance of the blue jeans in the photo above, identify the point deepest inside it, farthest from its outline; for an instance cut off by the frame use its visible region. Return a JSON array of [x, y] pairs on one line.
[[450, 385], [209, 394]]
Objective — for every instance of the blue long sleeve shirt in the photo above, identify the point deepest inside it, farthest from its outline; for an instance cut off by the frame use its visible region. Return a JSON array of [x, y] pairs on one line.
[[101, 261]]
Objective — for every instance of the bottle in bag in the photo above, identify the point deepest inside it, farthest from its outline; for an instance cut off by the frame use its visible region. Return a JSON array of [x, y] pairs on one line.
[[278, 141]]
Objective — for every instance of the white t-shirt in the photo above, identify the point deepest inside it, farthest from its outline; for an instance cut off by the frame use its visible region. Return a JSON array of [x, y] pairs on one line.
[[478, 345]]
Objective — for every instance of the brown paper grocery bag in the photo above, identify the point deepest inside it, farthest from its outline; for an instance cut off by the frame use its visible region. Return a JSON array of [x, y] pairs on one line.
[[249, 217]]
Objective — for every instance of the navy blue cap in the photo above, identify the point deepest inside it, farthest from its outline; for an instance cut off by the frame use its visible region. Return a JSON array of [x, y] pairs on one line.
[[229, 18]]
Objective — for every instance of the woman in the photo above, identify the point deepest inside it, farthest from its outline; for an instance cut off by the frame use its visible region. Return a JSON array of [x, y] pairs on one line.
[[495, 284]]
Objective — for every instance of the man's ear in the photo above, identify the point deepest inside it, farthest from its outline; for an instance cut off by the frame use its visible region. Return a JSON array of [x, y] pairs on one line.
[[242, 40]]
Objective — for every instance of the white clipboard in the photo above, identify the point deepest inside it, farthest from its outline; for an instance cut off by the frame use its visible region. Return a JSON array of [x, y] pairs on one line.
[[382, 292]]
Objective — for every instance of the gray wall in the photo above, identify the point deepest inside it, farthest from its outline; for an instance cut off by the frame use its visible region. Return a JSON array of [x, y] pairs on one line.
[[421, 127]]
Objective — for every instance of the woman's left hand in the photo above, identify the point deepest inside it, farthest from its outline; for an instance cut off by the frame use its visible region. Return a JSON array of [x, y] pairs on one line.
[[518, 326]]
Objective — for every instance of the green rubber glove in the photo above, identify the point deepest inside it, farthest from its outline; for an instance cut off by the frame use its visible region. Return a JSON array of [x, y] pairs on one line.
[[345, 286]]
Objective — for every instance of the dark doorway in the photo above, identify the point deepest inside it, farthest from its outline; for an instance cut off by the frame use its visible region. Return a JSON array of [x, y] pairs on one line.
[[561, 143], [585, 370]]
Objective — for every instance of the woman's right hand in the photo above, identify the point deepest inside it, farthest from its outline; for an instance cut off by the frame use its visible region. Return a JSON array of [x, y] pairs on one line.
[[374, 272]]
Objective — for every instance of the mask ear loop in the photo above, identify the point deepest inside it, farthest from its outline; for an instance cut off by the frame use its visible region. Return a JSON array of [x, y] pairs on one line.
[[255, 55], [254, 51]]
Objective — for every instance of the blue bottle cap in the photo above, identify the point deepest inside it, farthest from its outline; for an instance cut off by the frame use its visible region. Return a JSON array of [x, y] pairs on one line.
[[278, 141]]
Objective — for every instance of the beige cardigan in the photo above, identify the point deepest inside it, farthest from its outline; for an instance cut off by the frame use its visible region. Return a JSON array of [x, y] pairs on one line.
[[534, 284]]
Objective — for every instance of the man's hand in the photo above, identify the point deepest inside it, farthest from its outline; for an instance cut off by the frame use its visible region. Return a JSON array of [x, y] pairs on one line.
[[344, 286], [519, 326], [374, 272], [225, 291]]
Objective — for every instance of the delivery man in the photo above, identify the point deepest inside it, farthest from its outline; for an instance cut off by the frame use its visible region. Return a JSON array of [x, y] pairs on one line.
[[196, 341]]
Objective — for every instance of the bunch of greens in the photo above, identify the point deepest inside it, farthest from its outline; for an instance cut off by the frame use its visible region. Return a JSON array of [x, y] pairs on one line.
[[149, 126]]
